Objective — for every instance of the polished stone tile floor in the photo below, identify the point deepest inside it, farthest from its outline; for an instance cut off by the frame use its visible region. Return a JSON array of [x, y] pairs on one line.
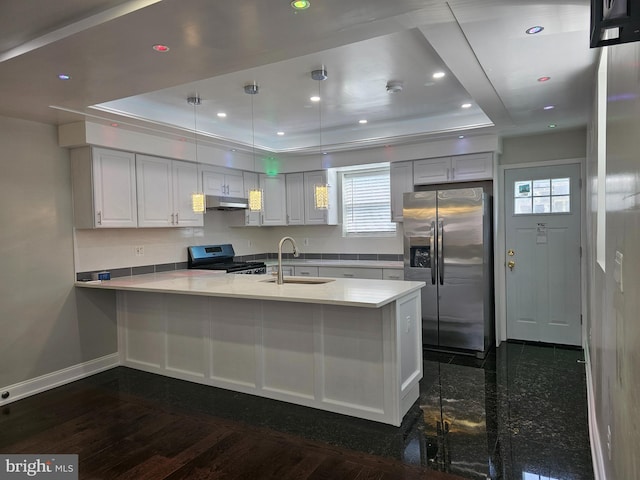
[[519, 414]]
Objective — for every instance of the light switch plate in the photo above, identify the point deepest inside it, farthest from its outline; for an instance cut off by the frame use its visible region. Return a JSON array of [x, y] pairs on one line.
[[617, 270]]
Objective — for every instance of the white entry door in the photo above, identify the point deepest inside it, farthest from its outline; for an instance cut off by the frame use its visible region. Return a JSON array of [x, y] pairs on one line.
[[542, 261]]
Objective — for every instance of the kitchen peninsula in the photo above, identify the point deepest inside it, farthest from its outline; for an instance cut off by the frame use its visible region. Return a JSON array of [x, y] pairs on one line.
[[350, 346]]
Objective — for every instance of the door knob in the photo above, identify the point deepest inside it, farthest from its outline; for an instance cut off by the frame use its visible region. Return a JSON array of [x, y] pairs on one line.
[[511, 253], [511, 264]]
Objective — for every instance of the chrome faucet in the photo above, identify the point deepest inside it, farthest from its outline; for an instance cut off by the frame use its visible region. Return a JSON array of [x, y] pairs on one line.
[[280, 279]]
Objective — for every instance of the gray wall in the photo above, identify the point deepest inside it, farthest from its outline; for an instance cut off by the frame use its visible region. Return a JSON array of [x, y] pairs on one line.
[[39, 319], [556, 145], [614, 316]]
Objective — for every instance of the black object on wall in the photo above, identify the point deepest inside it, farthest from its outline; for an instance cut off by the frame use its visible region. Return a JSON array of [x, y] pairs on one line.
[[614, 22]]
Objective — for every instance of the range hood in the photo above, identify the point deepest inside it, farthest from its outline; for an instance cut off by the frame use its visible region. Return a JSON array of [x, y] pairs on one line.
[[215, 202]]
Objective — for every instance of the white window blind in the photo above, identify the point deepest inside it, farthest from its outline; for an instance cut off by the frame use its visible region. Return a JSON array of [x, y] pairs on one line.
[[366, 202]]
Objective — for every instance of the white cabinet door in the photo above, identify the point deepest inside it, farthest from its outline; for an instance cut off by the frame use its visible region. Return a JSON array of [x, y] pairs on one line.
[[114, 188], [401, 174], [432, 170], [275, 199], [185, 183], [314, 216], [222, 182], [251, 219], [472, 167], [295, 199], [164, 192], [154, 183]]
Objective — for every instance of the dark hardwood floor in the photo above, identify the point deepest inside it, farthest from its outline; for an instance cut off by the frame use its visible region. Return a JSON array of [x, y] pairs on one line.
[[120, 435]]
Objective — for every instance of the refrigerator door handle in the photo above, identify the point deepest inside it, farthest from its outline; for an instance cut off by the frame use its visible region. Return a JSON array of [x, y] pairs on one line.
[[440, 251], [432, 253]]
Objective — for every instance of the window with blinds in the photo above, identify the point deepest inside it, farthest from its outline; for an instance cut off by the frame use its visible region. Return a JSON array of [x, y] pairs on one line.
[[366, 202]]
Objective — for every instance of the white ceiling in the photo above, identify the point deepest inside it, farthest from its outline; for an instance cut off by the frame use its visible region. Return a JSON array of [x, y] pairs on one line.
[[218, 47]]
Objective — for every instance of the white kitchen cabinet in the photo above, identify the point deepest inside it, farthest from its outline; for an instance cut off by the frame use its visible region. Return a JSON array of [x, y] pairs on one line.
[[312, 215], [251, 182], [275, 199], [350, 272], [223, 182], [164, 190], [295, 199], [104, 188], [477, 166], [401, 174], [392, 274], [305, 271]]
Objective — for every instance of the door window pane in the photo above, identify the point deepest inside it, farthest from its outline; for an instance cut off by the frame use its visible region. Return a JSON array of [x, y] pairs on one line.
[[523, 189], [523, 206], [541, 188], [561, 204], [560, 186], [541, 205]]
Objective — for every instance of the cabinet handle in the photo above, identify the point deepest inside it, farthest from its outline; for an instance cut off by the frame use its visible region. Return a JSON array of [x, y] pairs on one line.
[[99, 217], [177, 218], [347, 274], [172, 220], [304, 273], [453, 173], [394, 277], [447, 174]]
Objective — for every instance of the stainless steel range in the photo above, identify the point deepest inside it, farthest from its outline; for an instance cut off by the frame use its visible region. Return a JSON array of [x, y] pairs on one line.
[[220, 257]]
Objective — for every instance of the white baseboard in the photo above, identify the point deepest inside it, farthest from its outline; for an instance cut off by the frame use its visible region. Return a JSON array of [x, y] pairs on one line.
[[594, 433], [61, 377]]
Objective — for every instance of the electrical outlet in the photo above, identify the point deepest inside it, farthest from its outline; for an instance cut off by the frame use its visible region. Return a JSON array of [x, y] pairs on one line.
[[139, 251], [305, 242]]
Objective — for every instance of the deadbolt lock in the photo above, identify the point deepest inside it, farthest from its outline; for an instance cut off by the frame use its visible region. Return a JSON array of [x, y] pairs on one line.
[[511, 253], [511, 264]]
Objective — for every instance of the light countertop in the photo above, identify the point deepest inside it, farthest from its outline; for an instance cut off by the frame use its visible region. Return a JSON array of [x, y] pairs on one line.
[[338, 291]]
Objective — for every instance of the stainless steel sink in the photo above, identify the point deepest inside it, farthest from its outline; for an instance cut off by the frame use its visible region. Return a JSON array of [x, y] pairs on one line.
[[302, 280]]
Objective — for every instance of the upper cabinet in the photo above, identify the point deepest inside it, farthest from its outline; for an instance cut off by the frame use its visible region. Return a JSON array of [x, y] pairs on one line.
[[453, 169], [104, 188], [401, 174], [223, 182], [295, 198], [164, 189], [275, 199]]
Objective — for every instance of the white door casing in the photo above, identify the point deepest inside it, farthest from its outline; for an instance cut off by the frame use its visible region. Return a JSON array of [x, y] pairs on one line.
[[543, 286]]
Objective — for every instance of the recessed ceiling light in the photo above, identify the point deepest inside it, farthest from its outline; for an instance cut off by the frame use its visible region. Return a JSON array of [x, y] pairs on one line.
[[552, 125], [465, 105], [363, 121], [158, 47], [544, 79], [233, 150], [438, 75], [460, 136], [280, 133], [300, 4], [64, 76], [549, 107], [534, 30], [315, 98], [222, 114]]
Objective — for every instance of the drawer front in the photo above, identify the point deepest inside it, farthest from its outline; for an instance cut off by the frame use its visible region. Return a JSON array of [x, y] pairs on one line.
[[340, 272], [392, 274], [305, 271]]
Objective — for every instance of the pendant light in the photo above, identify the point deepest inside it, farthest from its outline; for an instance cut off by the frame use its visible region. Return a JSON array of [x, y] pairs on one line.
[[197, 197], [255, 196], [320, 191]]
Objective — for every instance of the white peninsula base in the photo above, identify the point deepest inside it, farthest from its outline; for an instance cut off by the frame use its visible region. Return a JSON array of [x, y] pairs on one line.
[[363, 362]]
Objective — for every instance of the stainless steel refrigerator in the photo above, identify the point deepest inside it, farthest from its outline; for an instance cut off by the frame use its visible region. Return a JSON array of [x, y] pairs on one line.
[[448, 245]]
